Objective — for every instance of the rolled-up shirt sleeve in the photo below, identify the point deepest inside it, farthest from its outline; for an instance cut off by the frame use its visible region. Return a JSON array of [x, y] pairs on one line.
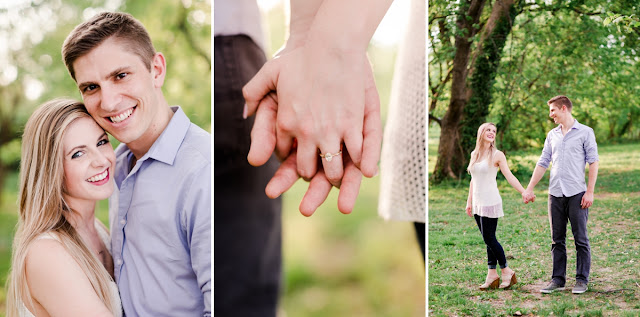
[[591, 148], [545, 157]]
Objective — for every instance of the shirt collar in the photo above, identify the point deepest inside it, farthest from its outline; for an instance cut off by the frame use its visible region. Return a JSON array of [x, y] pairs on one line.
[[576, 125], [165, 148]]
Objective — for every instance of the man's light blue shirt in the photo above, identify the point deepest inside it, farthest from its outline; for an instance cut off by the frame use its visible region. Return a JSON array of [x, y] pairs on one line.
[[568, 154], [160, 217]]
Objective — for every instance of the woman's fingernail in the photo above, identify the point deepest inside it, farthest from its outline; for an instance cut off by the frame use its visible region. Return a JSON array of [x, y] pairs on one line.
[[244, 111]]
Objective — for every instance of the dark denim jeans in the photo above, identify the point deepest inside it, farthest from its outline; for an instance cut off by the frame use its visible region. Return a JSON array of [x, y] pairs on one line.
[[562, 209], [247, 224], [495, 253]]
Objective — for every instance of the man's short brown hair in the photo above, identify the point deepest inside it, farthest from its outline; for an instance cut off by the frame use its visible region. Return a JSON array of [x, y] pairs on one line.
[[90, 34], [560, 101]]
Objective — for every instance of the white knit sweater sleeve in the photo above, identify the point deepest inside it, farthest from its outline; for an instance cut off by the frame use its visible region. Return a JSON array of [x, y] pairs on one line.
[[403, 159]]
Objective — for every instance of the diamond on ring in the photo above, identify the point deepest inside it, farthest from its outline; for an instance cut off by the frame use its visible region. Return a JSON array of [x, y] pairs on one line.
[[329, 156]]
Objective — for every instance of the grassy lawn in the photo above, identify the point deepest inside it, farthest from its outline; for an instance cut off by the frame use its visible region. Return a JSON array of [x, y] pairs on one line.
[[457, 256]]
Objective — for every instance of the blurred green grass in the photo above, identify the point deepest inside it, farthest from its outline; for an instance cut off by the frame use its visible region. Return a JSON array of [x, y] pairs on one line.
[[349, 265]]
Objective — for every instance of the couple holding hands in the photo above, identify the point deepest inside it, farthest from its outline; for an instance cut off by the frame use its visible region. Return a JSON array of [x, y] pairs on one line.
[[567, 148]]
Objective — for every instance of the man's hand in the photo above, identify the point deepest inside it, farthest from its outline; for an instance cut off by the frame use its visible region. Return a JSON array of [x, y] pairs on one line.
[[587, 200]]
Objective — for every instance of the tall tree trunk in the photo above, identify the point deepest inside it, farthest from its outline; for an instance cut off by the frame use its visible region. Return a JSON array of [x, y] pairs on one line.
[[471, 86], [483, 73], [450, 156]]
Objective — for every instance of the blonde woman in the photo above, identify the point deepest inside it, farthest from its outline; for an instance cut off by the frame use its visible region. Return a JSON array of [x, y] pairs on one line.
[[485, 204], [61, 264]]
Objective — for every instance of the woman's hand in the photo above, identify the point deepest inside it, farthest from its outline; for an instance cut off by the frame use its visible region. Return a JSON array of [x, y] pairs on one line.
[[468, 209]]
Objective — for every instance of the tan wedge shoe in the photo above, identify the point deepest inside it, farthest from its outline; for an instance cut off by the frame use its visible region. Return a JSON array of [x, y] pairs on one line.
[[490, 284], [506, 283]]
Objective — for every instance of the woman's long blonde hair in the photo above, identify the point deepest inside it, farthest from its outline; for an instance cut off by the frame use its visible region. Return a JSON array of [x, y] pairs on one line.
[[481, 148], [41, 204]]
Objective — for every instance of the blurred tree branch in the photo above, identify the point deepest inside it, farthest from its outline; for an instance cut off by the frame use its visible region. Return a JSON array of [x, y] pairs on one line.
[[184, 29]]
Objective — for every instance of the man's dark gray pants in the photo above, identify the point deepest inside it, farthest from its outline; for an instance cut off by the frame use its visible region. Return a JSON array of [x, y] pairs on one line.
[[562, 209], [247, 224]]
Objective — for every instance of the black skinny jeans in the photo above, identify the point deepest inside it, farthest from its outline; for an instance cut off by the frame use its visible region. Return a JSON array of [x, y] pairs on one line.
[[495, 253]]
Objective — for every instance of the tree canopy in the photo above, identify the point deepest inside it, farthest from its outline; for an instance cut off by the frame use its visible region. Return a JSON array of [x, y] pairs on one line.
[[584, 49]]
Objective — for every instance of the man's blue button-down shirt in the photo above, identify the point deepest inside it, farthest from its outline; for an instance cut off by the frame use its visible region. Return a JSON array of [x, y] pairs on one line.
[[568, 155], [160, 220]]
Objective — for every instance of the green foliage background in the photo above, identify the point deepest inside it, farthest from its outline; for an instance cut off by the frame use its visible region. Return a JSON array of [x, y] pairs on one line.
[[554, 47]]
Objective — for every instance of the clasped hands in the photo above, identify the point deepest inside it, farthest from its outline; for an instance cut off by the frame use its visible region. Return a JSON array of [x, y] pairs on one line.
[[310, 101], [528, 196]]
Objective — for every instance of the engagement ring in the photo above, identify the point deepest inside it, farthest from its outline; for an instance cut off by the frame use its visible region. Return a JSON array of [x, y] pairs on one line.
[[329, 156]]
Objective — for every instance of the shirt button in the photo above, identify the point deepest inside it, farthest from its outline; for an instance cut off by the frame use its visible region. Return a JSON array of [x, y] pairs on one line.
[[122, 221], [119, 261]]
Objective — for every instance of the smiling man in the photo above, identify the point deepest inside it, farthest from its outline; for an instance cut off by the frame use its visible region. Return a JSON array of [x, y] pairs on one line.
[[568, 148], [160, 214]]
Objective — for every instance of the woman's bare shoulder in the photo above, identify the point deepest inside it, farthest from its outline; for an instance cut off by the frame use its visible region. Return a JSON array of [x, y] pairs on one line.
[[499, 157], [57, 281], [46, 254]]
